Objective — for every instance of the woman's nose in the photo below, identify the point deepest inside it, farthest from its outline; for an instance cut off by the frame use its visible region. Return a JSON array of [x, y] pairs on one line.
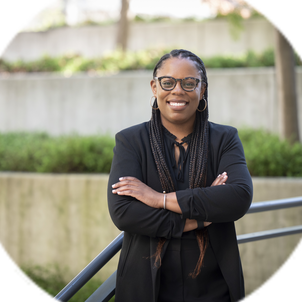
[[178, 88]]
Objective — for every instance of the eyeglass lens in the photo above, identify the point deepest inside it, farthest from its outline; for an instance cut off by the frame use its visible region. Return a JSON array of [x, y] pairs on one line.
[[188, 84]]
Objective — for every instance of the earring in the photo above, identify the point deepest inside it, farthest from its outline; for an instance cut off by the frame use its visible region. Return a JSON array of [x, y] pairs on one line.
[[155, 108], [205, 105]]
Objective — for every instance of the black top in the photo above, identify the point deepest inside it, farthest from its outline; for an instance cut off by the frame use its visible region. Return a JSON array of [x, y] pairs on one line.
[[138, 277], [180, 171], [182, 254]]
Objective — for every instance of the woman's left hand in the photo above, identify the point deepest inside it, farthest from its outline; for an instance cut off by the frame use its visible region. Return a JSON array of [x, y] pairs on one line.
[[131, 186]]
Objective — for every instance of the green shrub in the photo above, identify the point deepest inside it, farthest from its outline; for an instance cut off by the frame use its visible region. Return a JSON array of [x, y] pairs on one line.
[[250, 59], [39, 152], [267, 155], [139, 60], [110, 62], [224, 62], [5, 66], [52, 281]]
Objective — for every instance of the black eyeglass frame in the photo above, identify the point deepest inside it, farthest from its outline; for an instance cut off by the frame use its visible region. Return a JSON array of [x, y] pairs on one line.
[[176, 80]]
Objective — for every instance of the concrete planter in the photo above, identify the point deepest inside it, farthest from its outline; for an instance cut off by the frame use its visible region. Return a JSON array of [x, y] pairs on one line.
[[63, 219]]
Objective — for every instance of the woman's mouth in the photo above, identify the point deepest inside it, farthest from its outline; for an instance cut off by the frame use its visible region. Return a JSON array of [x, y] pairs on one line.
[[177, 105]]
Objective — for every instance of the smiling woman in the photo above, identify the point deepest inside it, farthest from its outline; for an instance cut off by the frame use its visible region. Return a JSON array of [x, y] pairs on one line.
[[178, 99], [176, 186]]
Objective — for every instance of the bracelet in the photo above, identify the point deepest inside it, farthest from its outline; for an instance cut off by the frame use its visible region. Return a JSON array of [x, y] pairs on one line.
[[165, 196]]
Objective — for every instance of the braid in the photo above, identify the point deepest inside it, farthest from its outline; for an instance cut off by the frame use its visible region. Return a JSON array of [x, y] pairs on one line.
[[156, 140], [198, 151]]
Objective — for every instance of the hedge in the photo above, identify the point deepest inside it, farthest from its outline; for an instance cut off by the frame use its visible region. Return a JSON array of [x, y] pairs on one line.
[[266, 154], [39, 152], [140, 60]]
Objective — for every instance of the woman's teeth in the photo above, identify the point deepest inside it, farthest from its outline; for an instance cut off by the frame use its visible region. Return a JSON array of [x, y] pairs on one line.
[[177, 103]]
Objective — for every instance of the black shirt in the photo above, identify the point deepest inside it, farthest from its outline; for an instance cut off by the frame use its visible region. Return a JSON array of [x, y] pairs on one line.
[[138, 276], [182, 254]]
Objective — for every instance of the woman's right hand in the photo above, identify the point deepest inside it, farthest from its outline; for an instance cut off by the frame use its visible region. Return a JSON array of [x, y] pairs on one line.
[[220, 179]]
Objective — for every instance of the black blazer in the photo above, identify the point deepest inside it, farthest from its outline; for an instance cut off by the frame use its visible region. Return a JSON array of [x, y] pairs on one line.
[[137, 276]]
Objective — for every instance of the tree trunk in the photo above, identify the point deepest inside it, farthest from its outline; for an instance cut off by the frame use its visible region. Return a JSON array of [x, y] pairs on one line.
[[286, 88], [123, 26], [64, 10]]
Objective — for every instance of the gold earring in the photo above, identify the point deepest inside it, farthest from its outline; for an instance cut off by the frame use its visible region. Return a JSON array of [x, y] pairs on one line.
[[155, 108], [205, 106]]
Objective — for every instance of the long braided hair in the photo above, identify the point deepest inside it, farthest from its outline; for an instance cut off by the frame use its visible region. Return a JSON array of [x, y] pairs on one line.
[[198, 151]]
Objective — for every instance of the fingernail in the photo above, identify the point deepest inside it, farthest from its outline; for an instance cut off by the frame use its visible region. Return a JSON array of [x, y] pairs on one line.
[[224, 173], [113, 185], [121, 178], [219, 175]]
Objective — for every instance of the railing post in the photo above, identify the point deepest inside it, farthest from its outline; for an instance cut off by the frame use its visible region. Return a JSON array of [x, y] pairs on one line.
[[105, 292]]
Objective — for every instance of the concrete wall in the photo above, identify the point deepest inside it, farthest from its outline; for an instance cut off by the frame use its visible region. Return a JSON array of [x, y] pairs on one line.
[[56, 219], [106, 104], [205, 38], [63, 219]]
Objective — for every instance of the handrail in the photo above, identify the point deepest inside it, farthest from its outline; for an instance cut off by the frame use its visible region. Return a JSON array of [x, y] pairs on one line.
[[90, 270], [275, 205], [106, 290], [269, 234]]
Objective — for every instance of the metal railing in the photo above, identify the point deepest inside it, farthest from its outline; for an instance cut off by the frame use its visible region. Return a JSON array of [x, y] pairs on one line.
[[106, 291], [90, 270]]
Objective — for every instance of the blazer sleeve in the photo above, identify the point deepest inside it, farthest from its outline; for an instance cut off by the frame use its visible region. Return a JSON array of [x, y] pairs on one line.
[[227, 202], [126, 212]]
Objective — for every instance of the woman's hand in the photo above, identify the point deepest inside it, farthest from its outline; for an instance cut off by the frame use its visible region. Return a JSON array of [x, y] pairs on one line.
[[131, 186], [190, 225], [220, 179]]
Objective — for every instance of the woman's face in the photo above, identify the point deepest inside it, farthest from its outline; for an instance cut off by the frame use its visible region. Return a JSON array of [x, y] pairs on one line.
[[177, 106]]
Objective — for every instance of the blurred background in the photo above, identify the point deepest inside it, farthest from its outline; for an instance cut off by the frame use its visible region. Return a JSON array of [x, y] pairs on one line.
[[80, 71]]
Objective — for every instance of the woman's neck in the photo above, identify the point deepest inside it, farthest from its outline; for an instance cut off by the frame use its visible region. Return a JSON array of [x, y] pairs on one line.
[[179, 130]]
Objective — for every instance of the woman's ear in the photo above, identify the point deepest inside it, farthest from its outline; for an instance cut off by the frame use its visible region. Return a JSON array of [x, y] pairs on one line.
[[153, 87]]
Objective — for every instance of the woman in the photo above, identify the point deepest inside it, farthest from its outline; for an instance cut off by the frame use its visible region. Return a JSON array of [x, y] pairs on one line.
[[164, 193]]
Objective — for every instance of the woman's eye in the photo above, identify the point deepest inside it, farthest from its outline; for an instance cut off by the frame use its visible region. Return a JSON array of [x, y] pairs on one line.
[[190, 84]]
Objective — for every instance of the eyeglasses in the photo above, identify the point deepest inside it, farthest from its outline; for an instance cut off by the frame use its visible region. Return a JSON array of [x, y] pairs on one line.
[[169, 83]]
